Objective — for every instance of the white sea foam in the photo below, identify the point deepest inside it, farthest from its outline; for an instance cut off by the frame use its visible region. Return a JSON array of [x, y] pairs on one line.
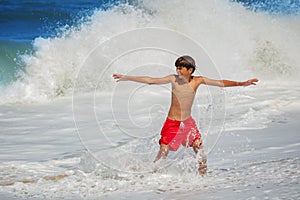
[[240, 43]]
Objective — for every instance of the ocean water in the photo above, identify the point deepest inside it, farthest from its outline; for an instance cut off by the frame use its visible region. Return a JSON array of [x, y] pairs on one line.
[[68, 130]]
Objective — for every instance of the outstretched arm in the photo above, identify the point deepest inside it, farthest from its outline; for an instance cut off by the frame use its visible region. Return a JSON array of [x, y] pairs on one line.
[[143, 79], [228, 83]]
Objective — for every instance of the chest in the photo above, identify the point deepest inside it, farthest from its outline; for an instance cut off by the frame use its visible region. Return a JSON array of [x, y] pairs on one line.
[[186, 90]]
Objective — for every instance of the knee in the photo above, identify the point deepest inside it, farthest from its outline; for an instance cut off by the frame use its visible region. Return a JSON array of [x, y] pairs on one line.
[[197, 143], [164, 148]]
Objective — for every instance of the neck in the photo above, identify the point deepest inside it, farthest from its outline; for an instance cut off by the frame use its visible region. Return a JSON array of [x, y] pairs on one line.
[[184, 79], [188, 78]]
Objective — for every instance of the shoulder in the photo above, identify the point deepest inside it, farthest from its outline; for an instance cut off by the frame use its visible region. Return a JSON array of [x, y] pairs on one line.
[[199, 79], [172, 77], [162, 80]]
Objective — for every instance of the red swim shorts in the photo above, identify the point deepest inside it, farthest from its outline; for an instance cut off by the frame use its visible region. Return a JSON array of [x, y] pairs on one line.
[[176, 132]]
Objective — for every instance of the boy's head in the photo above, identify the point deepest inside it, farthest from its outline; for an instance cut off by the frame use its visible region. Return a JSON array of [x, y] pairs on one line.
[[186, 61]]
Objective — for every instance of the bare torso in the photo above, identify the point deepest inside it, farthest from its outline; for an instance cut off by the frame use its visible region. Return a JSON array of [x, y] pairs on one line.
[[183, 94]]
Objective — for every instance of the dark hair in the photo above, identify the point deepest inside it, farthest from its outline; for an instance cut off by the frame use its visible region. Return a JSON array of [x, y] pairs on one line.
[[186, 61]]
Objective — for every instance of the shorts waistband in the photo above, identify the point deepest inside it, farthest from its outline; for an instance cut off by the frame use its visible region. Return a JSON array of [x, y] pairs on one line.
[[174, 120]]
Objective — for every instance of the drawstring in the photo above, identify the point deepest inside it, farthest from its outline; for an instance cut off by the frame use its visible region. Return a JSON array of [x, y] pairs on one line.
[[181, 125]]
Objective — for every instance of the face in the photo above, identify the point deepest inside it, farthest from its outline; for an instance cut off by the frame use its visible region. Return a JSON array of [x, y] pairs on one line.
[[183, 71]]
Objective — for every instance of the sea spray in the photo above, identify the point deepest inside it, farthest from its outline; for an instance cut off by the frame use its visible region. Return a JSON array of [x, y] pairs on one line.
[[234, 37]]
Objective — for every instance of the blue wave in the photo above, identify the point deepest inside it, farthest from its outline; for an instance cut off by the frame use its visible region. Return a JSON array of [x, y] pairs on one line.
[[28, 19], [281, 7], [24, 20]]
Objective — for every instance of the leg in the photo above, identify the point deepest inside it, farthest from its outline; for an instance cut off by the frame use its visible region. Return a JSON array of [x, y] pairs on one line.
[[162, 153], [198, 148]]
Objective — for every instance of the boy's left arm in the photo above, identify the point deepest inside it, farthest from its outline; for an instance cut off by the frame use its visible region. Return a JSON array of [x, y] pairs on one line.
[[227, 83]]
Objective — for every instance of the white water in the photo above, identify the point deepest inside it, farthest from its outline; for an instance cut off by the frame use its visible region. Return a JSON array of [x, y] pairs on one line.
[[239, 42], [67, 101]]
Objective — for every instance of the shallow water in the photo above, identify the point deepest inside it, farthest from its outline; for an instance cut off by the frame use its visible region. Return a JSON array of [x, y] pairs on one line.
[[42, 141], [69, 131]]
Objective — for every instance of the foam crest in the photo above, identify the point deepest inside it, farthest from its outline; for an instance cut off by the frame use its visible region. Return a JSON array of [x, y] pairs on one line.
[[240, 42]]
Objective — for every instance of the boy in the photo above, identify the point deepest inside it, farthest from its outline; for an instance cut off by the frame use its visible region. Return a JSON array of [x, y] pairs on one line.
[[180, 127]]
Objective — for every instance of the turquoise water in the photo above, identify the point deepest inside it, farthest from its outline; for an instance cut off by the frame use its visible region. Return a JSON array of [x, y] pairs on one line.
[[10, 63], [23, 21]]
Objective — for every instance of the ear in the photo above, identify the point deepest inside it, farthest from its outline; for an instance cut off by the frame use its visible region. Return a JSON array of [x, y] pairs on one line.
[[190, 70]]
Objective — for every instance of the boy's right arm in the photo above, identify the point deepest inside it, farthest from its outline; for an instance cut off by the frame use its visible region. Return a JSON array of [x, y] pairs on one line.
[[143, 79]]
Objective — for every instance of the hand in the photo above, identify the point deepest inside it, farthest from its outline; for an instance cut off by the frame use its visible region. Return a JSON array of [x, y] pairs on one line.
[[250, 82], [118, 77]]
